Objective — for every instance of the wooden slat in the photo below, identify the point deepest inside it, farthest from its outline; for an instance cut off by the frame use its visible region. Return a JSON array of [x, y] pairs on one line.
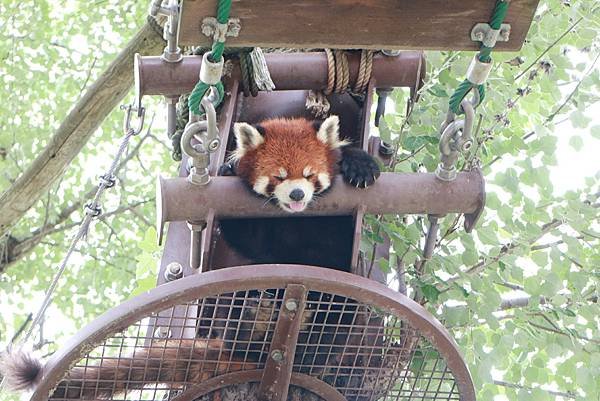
[[368, 24]]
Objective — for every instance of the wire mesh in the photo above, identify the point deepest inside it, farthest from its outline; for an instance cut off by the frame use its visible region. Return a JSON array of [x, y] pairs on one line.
[[363, 351]]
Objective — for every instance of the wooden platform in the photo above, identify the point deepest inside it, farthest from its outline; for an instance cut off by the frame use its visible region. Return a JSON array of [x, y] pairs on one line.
[[366, 24]]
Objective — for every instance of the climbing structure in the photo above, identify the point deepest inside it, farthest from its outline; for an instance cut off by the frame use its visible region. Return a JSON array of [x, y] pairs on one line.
[[219, 326]]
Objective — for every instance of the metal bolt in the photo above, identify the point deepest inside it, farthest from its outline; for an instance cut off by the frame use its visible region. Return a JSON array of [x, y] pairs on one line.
[[173, 271], [291, 305], [467, 145], [386, 149], [214, 145], [162, 332], [277, 355]]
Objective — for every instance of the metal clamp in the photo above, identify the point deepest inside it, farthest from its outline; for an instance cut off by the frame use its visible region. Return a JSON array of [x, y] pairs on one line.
[[141, 113], [213, 29], [483, 32], [456, 137], [172, 52], [206, 133], [478, 71], [211, 71]]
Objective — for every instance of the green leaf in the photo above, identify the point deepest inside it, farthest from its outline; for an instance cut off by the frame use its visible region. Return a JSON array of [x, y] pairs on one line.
[[576, 142], [412, 143], [430, 292]]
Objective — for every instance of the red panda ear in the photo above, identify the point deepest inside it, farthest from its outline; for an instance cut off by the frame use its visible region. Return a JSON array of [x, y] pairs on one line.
[[329, 132], [247, 137]]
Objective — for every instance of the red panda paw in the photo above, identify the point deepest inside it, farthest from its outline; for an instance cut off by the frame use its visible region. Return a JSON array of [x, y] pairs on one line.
[[358, 168], [227, 169]]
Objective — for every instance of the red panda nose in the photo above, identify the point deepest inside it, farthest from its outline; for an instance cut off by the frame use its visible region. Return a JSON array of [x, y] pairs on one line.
[[297, 194]]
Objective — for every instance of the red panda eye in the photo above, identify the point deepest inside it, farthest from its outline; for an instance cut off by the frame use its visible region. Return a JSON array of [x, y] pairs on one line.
[[278, 178], [309, 176]]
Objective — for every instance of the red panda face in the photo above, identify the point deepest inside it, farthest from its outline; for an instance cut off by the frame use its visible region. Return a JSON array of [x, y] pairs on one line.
[[289, 160]]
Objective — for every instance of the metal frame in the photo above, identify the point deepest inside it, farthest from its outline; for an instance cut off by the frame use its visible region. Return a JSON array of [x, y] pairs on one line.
[[245, 278], [289, 71]]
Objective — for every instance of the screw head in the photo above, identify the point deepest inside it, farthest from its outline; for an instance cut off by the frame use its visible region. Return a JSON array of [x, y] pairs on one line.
[[277, 355], [162, 332], [291, 305]]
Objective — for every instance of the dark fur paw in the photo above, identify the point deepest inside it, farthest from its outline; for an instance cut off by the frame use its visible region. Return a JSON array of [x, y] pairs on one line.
[[358, 168], [227, 169]]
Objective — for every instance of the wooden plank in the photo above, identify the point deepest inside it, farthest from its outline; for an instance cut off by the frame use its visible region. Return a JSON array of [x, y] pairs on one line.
[[366, 24]]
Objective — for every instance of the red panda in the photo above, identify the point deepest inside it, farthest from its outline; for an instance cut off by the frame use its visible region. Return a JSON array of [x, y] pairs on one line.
[[164, 362], [292, 162]]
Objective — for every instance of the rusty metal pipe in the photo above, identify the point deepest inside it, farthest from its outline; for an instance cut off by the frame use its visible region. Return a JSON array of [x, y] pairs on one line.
[[418, 193], [289, 71]]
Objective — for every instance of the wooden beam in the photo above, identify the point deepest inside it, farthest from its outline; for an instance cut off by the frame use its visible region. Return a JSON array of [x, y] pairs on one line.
[[77, 127], [365, 24]]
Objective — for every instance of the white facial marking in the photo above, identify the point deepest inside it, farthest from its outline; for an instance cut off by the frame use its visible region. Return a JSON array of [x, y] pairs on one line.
[[282, 173], [306, 172], [283, 190], [260, 186], [324, 180]]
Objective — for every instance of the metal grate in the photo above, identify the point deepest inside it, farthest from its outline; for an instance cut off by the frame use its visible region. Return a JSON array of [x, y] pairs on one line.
[[360, 350]]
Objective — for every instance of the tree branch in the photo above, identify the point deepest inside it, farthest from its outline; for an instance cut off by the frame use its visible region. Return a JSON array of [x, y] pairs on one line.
[[519, 386], [86, 115], [16, 249]]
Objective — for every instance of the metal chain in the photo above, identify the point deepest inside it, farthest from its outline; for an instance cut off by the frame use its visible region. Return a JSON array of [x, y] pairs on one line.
[[91, 211]]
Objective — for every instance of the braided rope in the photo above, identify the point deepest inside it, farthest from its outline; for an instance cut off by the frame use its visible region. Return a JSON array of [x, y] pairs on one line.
[[245, 74], [342, 72], [498, 15], [330, 72], [365, 70]]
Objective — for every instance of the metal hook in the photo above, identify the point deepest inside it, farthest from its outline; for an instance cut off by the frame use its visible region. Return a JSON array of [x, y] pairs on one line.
[[456, 137], [141, 113], [206, 133]]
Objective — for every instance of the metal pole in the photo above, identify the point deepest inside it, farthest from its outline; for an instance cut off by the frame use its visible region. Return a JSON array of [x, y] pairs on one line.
[[289, 71]]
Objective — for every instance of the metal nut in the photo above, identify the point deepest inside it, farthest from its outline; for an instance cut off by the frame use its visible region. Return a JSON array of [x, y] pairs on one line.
[[214, 145], [173, 271], [291, 305], [467, 145], [277, 355], [162, 332]]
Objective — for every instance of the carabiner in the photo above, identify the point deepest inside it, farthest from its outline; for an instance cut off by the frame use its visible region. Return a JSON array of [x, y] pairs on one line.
[[141, 113]]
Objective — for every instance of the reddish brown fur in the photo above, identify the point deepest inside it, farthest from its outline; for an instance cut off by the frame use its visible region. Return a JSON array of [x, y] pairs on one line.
[[291, 144], [173, 362]]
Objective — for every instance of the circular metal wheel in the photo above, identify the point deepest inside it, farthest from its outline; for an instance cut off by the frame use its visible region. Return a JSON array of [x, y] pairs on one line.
[[337, 335]]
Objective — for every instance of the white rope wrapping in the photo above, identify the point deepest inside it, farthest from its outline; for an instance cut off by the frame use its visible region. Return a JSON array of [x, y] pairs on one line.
[[260, 70]]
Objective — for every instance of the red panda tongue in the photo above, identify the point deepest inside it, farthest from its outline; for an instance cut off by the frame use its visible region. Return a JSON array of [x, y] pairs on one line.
[[296, 206]]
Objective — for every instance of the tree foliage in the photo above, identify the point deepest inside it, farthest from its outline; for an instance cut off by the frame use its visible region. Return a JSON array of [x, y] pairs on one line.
[[519, 294]]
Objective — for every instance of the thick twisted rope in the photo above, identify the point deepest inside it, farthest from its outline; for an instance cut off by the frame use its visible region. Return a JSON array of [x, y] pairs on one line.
[[364, 71], [330, 72], [498, 15], [218, 47], [342, 72]]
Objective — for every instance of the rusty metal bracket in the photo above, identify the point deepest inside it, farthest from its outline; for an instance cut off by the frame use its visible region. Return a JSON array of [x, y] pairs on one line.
[[277, 374]]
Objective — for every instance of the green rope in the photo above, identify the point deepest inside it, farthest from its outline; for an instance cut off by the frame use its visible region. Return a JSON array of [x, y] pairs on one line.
[[199, 92], [201, 88], [484, 56]]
